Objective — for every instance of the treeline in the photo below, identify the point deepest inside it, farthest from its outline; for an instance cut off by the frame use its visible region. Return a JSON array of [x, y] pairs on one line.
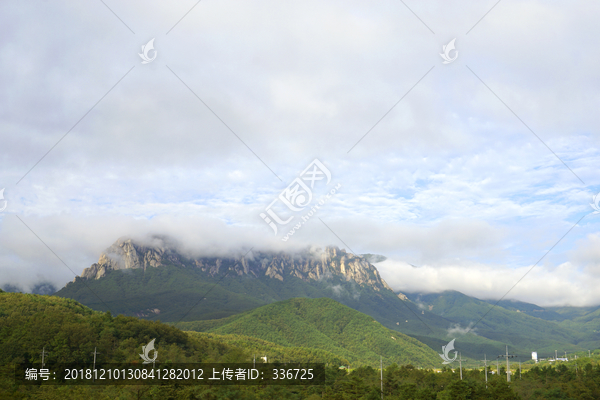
[[407, 382], [399, 383]]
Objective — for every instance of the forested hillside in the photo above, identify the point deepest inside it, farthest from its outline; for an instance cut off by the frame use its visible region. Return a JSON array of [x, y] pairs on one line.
[[70, 331], [327, 325], [273, 352], [518, 324]]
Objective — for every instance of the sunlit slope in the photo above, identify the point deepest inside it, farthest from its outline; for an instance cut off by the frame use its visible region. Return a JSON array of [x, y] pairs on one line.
[[69, 332], [257, 348], [327, 325]]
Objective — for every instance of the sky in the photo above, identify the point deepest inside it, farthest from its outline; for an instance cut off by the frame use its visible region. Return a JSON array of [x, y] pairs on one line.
[[470, 169]]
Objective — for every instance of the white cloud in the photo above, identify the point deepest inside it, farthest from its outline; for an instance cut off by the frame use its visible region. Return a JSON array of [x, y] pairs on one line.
[[450, 179], [544, 285], [456, 329]]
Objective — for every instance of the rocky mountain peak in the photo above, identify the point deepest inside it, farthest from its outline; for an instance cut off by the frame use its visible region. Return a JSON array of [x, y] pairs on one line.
[[127, 254], [311, 264]]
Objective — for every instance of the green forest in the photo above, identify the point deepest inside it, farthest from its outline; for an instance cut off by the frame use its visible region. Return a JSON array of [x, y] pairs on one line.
[[69, 332], [275, 353], [171, 293], [327, 325]]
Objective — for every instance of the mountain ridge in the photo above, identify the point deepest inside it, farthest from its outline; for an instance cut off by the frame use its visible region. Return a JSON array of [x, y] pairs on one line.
[[311, 264], [157, 282], [148, 280]]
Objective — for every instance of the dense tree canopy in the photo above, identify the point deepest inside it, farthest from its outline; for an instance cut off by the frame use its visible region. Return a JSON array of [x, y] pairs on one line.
[[70, 332]]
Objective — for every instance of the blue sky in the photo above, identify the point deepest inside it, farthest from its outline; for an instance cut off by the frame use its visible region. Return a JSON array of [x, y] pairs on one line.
[[243, 96]]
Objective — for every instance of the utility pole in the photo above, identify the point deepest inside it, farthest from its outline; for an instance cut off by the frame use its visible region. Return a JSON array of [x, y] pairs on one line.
[[44, 352], [507, 356], [507, 366], [555, 355], [520, 370], [589, 354], [460, 364], [254, 362], [381, 368], [485, 369], [94, 353]]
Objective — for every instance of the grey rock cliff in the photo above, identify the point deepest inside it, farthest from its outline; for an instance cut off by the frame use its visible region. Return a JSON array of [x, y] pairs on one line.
[[308, 265]]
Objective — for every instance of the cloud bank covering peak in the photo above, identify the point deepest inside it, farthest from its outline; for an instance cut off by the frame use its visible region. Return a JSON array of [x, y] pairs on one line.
[[478, 171]]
